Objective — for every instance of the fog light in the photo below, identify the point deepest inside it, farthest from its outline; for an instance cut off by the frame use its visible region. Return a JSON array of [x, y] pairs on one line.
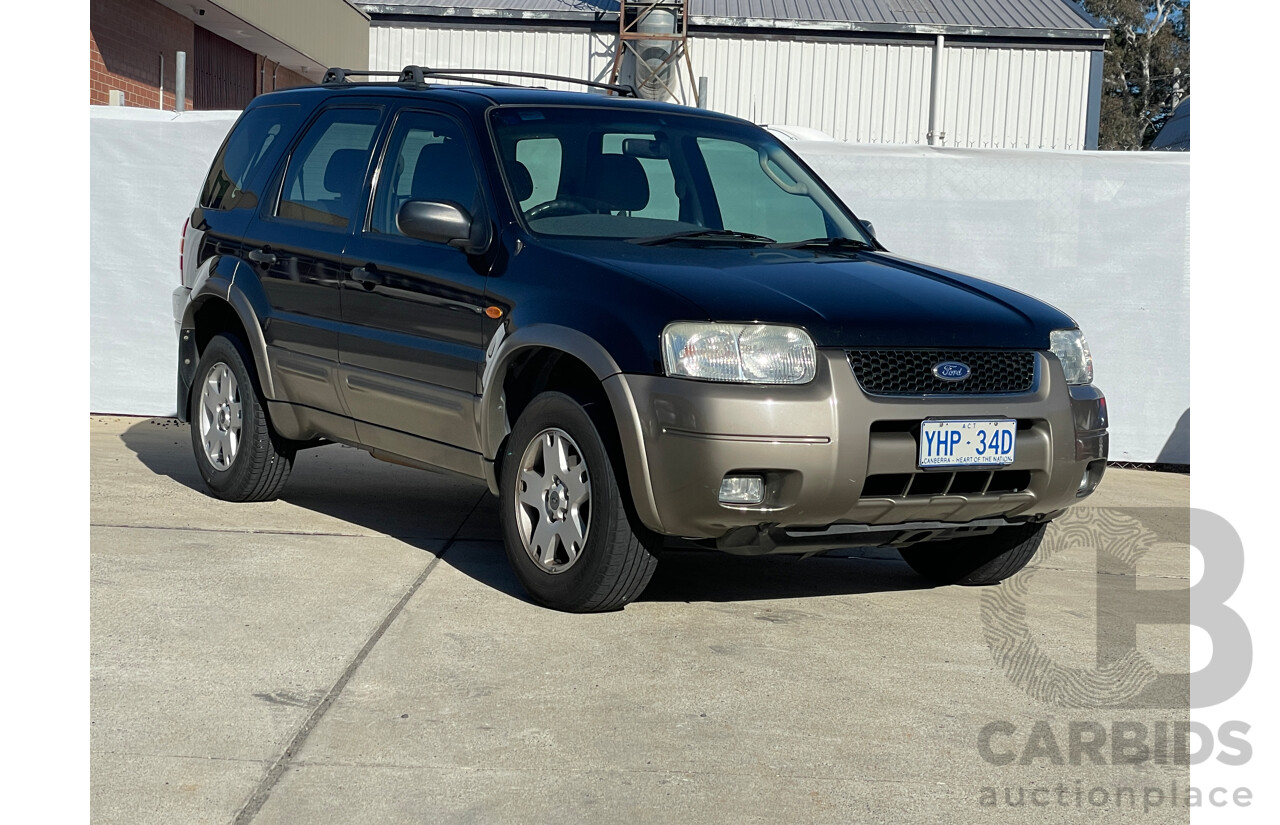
[[742, 490]]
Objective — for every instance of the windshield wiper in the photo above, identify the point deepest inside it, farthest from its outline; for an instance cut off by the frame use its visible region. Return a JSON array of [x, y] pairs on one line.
[[704, 235], [824, 243]]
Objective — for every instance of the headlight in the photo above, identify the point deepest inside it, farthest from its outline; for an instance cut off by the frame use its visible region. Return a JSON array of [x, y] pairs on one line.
[[1070, 347], [746, 353]]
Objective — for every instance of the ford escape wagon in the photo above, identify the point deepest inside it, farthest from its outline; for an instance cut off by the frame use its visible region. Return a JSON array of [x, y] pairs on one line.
[[632, 320]]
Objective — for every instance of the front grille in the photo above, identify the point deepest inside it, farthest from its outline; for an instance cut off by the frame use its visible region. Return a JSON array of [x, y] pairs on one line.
[[910, 371]]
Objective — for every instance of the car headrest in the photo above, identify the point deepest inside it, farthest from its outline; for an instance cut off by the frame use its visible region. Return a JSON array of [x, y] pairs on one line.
[[619, 181], [520, 179], [444, 173], [344, 173]]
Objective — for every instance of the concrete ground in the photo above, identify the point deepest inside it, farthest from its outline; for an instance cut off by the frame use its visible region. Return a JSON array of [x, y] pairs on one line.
[[359, 652]]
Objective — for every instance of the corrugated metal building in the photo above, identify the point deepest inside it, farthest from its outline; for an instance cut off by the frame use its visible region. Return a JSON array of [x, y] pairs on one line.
[[1013, 73]]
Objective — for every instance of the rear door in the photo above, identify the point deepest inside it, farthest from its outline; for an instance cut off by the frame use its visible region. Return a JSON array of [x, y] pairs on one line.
[[296, 247], [412, 346]]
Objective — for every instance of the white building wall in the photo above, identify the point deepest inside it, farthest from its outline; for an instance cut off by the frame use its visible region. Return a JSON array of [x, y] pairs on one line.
[[1016, 98], [853, 91], [857, 92], [569, 53]]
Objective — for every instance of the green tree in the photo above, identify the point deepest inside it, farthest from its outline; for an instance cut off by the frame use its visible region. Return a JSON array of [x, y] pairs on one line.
[[1147, 68]]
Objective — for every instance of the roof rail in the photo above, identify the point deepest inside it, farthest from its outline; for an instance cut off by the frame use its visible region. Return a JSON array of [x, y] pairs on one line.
[[336, 75], [421, 75]]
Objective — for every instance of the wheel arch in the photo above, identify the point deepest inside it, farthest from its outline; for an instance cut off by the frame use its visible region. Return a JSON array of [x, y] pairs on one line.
[[547, 357], [534, 358], [220, 305]]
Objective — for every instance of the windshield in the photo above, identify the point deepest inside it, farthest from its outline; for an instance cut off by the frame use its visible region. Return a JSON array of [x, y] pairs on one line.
[[634, 175]]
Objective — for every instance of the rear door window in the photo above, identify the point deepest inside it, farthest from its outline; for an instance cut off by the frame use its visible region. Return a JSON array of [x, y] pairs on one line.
[[324, 182]]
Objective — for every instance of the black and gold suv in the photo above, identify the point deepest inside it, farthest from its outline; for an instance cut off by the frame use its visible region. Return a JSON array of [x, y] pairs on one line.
[[632, 320]]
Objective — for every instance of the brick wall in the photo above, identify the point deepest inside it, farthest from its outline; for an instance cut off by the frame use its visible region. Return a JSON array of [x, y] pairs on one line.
[[283, 78], [126, 40]]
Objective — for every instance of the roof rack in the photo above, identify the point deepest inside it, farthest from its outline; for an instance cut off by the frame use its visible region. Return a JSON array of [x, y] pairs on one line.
[[420, 75], [335, 75]]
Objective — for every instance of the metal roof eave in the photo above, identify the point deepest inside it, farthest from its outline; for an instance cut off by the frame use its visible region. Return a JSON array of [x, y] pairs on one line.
[[895, 28], [404, 13], [764, 24]]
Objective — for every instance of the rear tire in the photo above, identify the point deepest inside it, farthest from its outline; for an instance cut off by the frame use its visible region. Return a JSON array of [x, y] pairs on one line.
[[564, 521], [976, 561], [240, 457]]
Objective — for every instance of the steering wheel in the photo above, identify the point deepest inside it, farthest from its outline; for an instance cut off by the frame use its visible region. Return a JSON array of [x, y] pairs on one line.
[[561, 207]]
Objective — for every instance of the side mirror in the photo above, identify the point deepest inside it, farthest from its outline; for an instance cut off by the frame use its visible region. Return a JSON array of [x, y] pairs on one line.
[[870, 227], [435, 221]]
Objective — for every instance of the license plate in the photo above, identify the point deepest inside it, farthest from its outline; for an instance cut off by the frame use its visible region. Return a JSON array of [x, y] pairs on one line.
[[967, 443]]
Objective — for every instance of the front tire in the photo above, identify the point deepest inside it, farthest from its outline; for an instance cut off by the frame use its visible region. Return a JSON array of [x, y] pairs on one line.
[[976, 561], [565, 525], [240, 457]]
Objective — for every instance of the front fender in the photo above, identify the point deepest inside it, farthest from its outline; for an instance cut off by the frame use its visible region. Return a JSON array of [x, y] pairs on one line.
[[503, 349], [494, 425]]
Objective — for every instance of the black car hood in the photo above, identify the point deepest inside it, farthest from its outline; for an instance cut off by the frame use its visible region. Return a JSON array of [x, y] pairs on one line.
[[843, 299]]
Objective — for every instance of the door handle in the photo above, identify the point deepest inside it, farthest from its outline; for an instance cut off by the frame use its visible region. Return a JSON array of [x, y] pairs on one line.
[[367, 276], [262, 256]]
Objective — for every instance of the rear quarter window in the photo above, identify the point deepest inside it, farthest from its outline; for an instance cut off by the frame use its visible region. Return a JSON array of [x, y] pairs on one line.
[[255, 143]]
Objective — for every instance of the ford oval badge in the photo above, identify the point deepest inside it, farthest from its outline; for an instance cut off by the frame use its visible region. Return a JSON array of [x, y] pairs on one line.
[[951, 371]]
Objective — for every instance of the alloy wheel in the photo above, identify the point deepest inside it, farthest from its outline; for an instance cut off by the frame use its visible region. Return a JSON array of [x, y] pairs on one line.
[[553, 500], [221, 416]]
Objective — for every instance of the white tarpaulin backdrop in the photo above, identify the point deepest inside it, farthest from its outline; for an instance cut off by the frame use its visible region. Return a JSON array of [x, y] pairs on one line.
[[1103, 236], [145, 171]]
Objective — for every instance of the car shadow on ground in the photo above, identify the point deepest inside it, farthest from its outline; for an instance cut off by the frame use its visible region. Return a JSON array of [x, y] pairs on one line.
[[708, 575], [340, 482], [425, 509], [694, 575]]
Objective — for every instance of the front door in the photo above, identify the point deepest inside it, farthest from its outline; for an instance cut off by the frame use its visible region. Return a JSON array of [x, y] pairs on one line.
[[411, 344]]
